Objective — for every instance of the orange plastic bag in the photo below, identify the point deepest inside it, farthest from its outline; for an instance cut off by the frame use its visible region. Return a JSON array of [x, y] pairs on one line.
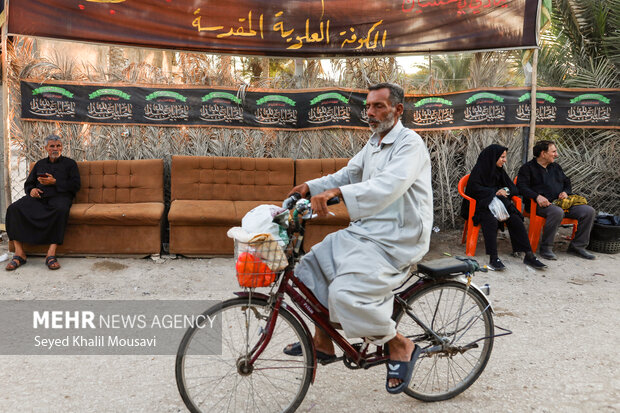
[[252, 272]]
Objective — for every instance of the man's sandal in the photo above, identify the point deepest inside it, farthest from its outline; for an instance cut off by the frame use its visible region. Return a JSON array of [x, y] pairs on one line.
[[15, 263], [323, 358], [401, 370], [52, 262]]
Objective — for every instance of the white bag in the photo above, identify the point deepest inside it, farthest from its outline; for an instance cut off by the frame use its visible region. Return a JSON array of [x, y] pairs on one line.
[[498, 209], [260, 221]]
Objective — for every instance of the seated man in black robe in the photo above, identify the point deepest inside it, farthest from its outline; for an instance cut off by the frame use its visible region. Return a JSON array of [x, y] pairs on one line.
[[41, 216]]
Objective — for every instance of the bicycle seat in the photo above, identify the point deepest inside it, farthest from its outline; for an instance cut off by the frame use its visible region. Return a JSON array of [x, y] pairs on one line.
[[444, 267]]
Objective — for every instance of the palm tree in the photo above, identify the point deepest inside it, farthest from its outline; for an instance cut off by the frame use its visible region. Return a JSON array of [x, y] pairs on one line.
[[581, 48]]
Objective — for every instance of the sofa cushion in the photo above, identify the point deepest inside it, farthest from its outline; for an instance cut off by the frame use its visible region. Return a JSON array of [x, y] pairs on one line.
[[233, 179], [308, 169], [214, 212], [125, 181], [187, 212], [144, 213]]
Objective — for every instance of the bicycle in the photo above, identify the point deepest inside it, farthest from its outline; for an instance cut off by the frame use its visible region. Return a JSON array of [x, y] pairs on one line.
[[442, 311]]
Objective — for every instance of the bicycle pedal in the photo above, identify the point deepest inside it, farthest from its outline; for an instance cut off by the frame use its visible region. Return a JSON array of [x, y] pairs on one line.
[[330, 361]]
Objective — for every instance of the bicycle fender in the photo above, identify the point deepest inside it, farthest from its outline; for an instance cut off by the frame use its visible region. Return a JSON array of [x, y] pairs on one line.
[[244, 294], [460, 279], [484, 297]]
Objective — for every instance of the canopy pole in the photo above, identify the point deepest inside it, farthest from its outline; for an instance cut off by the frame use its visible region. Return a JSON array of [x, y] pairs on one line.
[[5, 196], [530, 139], [430, 70], [299, 72]]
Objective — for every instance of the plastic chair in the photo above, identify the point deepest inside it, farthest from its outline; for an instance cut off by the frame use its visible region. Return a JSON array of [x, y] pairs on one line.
[[470, 231], [537, 223]]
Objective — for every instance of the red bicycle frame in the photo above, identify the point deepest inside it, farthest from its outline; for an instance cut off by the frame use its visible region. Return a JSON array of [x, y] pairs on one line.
[[313, 309]]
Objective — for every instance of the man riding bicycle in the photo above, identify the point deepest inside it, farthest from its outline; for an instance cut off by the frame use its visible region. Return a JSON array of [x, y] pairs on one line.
[[386, 188]]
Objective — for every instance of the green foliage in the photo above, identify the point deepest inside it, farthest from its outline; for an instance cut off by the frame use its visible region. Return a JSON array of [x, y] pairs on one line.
[[582, 46]]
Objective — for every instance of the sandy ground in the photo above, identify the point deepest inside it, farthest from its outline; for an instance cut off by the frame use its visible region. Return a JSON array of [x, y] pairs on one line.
[[562, 356]]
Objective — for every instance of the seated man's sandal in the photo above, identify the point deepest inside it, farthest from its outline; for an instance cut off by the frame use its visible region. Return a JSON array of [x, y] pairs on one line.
[[52, 262], [15, 263]]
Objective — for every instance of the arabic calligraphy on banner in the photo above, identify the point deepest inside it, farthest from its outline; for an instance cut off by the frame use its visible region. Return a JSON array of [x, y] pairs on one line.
[[283, 28], [312, 108]]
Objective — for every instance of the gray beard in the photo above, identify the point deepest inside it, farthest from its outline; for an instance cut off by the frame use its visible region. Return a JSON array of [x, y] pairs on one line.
[[385, 125]]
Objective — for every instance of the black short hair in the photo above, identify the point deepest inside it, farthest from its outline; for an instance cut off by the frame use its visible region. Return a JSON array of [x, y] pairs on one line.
[[397, 94], [541, 146]]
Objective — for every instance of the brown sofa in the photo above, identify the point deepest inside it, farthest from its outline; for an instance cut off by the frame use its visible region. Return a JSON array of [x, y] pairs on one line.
[[118, 210], [318, 228], [209, 195]]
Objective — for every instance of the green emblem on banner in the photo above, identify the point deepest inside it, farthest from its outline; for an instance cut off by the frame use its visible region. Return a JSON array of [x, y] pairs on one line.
[[275, 98], [590, 96], [52, 89], [484, 95], [539, 95], [222, 95], [332, 95], [432, 100], [113, 92], [166, 94]]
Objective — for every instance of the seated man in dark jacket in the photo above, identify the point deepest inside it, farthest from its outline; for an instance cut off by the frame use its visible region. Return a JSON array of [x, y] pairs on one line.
[[543, 180], [41, 216]]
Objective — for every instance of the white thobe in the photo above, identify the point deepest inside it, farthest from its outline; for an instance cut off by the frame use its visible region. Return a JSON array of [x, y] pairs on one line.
[[387, 191]]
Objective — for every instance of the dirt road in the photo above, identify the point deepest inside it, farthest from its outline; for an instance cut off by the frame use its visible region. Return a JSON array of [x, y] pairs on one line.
[[562, 357]]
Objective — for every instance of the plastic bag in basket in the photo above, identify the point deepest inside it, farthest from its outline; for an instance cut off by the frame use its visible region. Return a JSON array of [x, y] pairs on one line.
[[260, 220], [252, 272], [264, 246], [269, 251]]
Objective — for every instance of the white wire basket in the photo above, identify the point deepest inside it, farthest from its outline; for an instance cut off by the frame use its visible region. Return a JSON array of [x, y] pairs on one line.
[[259, 260]]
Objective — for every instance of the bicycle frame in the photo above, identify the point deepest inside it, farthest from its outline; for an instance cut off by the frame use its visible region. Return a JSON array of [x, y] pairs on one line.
[[309, 305]]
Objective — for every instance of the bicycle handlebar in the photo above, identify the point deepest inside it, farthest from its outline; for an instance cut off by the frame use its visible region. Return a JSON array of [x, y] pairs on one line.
[[290, 202], [293, 202]]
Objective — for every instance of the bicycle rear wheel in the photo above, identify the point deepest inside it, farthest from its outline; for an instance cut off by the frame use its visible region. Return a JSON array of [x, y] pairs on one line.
[[224, 382], [463, 321]]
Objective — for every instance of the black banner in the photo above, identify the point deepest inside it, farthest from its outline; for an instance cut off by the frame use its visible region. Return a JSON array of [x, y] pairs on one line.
[[285, 28], [313, 108]]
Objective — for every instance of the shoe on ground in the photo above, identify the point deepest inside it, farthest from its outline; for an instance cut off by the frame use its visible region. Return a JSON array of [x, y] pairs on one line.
[[580, 252], [496, 264], [547, 254], [531, 260]]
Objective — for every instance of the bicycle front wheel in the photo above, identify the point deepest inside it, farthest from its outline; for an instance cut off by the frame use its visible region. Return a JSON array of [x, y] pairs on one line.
[[462, 319], [226, 382]]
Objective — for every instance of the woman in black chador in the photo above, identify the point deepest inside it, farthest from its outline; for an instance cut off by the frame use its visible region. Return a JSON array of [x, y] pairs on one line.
[[488, 180], [41, 216]]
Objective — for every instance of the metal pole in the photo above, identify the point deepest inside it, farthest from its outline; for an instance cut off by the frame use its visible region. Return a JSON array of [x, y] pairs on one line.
[[5, 196], [533, 105], [430, 71], [299, 72]]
